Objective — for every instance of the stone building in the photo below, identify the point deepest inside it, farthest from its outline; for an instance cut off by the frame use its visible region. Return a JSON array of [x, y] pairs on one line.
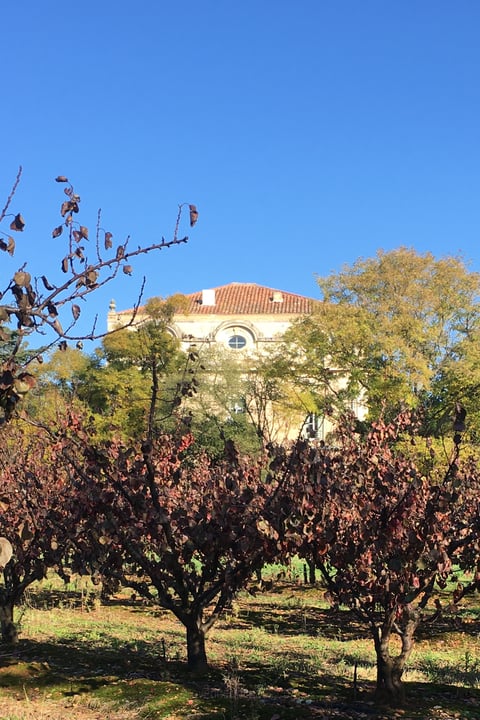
[[240, 316], [244, 319]]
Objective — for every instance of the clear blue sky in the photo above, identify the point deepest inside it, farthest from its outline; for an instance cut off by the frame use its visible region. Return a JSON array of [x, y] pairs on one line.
[[308, 133]]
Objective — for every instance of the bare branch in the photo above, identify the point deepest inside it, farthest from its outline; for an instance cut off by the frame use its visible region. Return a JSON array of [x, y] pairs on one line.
[[34, 307], [12, 193]]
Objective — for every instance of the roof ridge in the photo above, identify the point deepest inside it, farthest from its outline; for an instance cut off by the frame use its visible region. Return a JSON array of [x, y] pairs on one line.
[[247, 299], [252, 284]]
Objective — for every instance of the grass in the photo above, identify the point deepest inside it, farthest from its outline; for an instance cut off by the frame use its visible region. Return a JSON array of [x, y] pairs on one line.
[[282, 655]]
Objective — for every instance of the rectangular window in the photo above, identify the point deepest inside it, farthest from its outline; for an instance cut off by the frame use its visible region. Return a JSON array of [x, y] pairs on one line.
[[314, 427]]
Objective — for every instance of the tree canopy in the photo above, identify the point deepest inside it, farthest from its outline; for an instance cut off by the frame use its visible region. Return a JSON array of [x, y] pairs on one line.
[[388, 328], [385, 533]]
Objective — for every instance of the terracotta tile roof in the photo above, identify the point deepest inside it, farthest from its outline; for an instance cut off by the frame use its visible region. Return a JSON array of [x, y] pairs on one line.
[[245, 299], [250, 299]]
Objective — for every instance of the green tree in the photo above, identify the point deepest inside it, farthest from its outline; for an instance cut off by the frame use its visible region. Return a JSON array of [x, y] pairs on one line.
[[457, 381], [387, 328], [218, 408], [117, 382], [239, 397], [56, 388]]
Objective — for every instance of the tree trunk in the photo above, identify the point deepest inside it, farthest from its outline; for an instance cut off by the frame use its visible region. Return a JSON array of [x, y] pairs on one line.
[[197, 657], [389, 679], [390, 669], [7, 625], [309, 577]]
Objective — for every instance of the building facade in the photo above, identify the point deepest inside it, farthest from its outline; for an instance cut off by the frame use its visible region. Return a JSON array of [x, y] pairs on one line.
[[244, 319]]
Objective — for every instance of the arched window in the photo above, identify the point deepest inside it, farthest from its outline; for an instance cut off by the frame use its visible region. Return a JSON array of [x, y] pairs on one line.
[[235, 336]]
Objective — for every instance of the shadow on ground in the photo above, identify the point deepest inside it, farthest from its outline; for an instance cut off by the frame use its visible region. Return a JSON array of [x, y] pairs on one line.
[[74, 667]]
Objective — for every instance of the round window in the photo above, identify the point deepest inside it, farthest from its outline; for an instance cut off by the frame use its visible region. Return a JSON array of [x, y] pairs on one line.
[[237, 342]]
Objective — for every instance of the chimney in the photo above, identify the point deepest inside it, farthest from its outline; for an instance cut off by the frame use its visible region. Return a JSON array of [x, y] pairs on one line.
[[208, 298], [277, 296]]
